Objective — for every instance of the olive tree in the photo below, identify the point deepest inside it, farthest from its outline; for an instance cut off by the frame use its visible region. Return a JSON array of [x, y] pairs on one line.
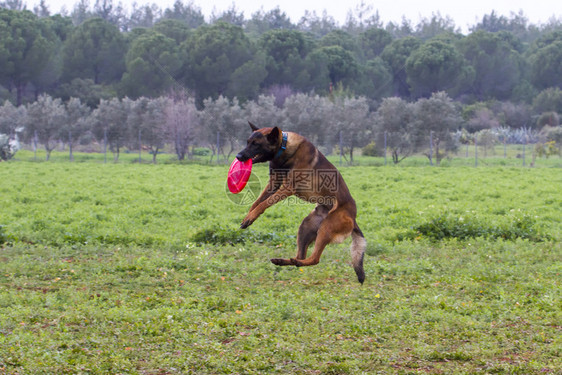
[[263, 112], [45, 120], [351, 121], [12, 119], [223, 121], [393, 123], [109, 122], [433, 121], [181, 122], [77, 122], [146, 122], [307, 115]]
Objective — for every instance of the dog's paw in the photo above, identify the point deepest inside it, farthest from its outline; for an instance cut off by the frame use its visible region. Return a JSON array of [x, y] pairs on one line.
[[277, 261], [286, 262], [246, 223], [281, 262]]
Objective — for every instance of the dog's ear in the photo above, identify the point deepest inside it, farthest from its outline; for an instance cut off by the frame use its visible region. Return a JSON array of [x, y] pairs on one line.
[[274, 135], [254, 127]]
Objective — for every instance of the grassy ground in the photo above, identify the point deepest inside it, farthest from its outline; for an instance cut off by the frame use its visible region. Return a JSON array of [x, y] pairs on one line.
[[125, 268]]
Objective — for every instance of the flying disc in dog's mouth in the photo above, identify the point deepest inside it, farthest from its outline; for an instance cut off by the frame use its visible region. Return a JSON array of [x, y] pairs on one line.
[[238, 175]]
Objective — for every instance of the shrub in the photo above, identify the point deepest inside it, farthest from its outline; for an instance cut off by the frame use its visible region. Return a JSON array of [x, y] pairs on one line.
[[555, 135], [447, 225], [8, 147], [548, 118], [372, 150], [546, 149], [201, 151], [219, 235], [6, 237], [228, 236]]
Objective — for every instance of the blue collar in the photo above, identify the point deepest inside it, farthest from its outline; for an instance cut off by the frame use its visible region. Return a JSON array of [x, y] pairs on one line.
[[283, 145]]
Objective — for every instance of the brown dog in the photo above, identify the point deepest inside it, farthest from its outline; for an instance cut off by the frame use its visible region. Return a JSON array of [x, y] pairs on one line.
[[298, 168]]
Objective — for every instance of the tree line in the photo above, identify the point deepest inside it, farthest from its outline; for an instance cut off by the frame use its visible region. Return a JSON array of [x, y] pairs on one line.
[[99, 52], [340, 123], [101, 76]]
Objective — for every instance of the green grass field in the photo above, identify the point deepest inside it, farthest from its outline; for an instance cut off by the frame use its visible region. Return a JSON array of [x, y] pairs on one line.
[[140, 269]]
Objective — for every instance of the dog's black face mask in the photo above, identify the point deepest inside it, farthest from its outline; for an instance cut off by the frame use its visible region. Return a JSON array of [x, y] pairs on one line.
[[261, 146]]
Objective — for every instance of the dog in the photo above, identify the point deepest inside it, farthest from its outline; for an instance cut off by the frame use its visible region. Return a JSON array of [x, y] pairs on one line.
[[297, 167]]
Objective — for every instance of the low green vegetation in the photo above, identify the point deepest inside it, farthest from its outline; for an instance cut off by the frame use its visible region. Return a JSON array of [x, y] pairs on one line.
[[141, 269]]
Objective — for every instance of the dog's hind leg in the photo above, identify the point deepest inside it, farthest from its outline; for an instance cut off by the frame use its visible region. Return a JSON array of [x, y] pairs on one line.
[[309, 229], [306, 235], [335, 228]]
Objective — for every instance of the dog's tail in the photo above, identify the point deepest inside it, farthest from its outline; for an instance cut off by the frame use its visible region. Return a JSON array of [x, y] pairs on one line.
[[358, 245]]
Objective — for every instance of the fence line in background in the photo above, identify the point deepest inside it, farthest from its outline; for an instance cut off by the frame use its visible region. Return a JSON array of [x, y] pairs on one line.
[[343, 141]]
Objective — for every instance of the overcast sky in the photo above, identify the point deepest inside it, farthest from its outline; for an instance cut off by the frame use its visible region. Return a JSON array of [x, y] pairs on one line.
[[464, 13]]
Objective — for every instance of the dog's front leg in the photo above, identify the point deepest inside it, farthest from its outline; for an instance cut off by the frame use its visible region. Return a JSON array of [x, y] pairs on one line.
[[282, 193], [269, 190]]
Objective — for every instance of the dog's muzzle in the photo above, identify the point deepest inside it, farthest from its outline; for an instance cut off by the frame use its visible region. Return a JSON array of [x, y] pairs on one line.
[[241, 157]]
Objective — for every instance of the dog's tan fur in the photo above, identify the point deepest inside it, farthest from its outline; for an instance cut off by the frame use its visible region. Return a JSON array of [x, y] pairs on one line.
[[333, 218]]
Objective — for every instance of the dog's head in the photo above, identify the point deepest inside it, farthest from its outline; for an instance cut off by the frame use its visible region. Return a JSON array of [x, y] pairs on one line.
[[262, 145]]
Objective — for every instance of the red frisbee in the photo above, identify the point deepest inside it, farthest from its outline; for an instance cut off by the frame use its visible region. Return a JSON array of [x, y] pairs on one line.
[[238, 175]]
